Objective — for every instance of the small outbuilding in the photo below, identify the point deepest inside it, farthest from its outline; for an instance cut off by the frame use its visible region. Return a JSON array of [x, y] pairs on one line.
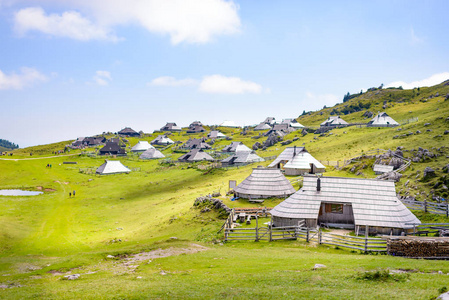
[[242, 158], [112, 148], [196, 129], [195, 155], [162, 140], [151, 153], [264, 183], [351, 203], [141, 146], [381, 169], [262, 126], [196, 144], [297, 161], [127, 131], [236, 147], [292, 123], [112, 167], [171, 126], [215, 134], [334, 121], [382, 120]]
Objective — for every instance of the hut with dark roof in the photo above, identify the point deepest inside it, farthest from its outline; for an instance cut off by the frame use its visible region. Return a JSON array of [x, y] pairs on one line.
[[196, 144], [351, 203], [264, 183], [196, 129], [112, 149], [171, 126], [127, 131], [195, 155]]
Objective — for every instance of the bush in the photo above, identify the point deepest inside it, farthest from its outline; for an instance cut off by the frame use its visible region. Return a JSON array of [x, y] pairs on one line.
[[381, 275]]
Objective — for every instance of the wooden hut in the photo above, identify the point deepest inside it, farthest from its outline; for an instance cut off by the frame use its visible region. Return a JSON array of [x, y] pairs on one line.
[[195, 155], [236, 147], [334, 121], [112, 148], [297, 161], [171, 126], [196, 129], [381, 169], [382, 120], [151, 153], [141, 146], [196, 144], [351, 203], [127, 131], [262, 126], [162, 140], [241, 158], [112, 167], [264, 183], [215, 134]]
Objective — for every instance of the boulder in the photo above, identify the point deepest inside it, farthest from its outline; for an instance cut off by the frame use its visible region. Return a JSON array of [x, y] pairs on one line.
[[394, 176], [72, 277], [319, 266], [427, 124], [368, 114], [429, 172]]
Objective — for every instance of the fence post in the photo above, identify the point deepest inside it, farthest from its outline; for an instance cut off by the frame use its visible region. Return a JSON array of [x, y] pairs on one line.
[[414, 229], [425, 205], [257, 228], [447, 209], [366, 237], [307, 237], [319, 236]]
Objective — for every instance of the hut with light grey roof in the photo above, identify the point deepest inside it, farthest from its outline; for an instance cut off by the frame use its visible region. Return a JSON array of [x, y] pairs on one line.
[[346, 202], [382, 120], [242, 158], [264, 183], [297, 161], [381, 169]]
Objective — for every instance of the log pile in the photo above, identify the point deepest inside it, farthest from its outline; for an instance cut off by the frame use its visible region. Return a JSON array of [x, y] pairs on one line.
[[426, 247]]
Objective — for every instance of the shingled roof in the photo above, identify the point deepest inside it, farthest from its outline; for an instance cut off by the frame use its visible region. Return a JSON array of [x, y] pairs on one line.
[[245, 157], [382, 119], [162, 140], [112, 167], [128, 132], [374, 202], [195, 155], [141, 146], [264, 183], [151, 153], [334, 121], [236, 147]]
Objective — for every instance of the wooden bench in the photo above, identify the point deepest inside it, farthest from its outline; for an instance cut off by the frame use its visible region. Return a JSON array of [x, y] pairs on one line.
[[256, 200]]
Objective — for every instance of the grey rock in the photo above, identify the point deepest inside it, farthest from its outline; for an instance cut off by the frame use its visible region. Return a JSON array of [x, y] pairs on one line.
[[72, 277], [418, 132], [319, 266], [429, 172], [444, 296], [394, 176], [427, 124]]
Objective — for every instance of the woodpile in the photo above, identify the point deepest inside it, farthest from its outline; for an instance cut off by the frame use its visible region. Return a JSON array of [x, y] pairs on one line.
[[426, 247]]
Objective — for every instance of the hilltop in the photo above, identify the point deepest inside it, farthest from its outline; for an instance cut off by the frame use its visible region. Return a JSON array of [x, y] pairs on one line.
[[44, 238]]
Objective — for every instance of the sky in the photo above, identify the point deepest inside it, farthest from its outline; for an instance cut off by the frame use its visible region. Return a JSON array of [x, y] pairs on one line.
[[71, 68]]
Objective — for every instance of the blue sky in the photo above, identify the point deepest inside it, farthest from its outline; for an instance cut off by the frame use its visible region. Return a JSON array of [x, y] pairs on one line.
[[77, 67]]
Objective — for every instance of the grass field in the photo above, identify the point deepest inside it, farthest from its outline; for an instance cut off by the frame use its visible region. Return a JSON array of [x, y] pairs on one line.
[[45, 237]]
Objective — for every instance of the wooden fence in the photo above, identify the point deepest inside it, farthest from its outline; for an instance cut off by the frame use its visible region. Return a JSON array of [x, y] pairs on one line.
[[430, 207], [429, 228], [270, 233]]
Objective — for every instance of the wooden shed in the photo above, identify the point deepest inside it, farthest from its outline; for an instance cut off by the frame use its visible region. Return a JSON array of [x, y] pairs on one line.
[[346, 202], [264, 183]]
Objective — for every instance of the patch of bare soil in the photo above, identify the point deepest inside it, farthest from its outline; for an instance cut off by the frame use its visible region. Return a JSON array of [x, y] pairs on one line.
[[131, 263]]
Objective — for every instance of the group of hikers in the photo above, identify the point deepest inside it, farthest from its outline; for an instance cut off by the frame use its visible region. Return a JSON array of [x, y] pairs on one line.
[[70, 194]]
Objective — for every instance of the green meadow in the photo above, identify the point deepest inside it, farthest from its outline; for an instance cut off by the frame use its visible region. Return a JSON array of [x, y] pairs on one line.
[[46, 237]]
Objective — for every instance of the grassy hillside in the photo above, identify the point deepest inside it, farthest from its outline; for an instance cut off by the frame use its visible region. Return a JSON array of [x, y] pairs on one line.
[[45, 237]]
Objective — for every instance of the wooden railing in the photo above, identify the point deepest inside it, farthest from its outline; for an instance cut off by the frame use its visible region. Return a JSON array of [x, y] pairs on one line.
[[430, 207], [301, 231]]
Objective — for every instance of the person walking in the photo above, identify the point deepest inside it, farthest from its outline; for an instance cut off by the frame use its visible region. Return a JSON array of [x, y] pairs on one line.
[[70, 195], [73, 193]]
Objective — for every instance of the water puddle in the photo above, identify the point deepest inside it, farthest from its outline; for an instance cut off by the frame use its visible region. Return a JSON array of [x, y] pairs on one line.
[[19, 193]]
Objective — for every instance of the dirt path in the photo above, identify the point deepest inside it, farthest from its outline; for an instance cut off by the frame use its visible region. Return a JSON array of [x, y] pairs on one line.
[[32, 158]]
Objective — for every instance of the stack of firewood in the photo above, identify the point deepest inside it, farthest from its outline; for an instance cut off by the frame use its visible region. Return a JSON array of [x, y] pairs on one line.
[[418, 247]]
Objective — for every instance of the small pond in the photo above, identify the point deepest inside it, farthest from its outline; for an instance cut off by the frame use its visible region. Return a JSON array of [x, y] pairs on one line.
[[19, 193]]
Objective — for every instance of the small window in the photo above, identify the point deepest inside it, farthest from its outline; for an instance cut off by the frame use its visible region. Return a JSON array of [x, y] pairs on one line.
[[337, 208]]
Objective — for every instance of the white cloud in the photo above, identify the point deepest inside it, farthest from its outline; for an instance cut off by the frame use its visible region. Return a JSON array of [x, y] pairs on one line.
[[26, 77], [414, 38], [218, 84], [323, 99], [213, 84], [171, 81], [430, 81], [69, 24], [102, 77], [189, 21]]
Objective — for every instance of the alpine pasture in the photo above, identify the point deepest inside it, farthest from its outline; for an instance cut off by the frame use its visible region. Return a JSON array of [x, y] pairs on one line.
[[98, 232]]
